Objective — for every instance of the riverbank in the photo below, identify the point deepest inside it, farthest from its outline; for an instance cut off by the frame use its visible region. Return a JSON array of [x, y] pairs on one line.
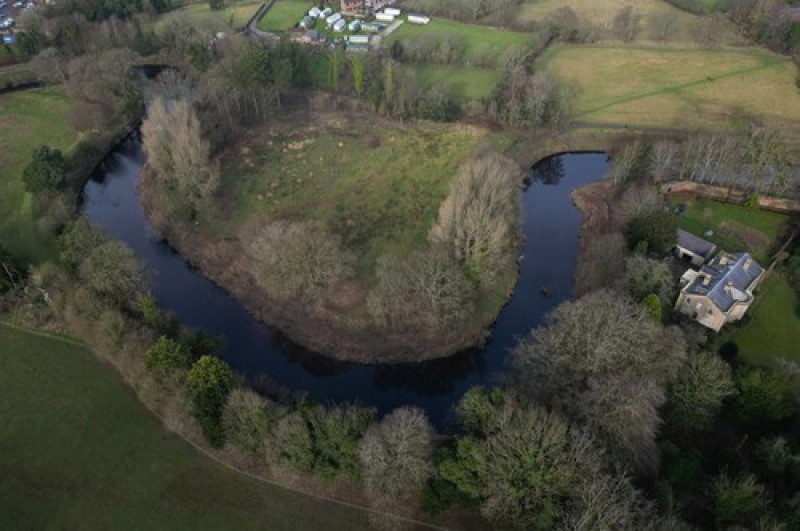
[[360, 180]]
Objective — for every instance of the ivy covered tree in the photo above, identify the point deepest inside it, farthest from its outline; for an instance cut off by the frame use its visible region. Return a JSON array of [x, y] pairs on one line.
[[210, 381]]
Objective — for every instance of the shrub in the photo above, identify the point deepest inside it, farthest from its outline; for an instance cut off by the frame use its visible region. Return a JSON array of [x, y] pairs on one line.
[[165, 356], [47, 170], [659, 230], [210, 380]]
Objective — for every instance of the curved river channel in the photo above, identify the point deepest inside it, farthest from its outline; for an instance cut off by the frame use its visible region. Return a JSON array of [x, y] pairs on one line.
[[262, 354]]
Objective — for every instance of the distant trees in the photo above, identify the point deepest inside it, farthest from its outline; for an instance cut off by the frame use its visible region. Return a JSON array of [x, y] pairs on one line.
[[626, 24], [478, 218], [46, 170], [524, 100], [602, 361]]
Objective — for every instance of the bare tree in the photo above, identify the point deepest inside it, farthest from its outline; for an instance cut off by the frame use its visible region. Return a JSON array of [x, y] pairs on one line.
[[297, 258], [663, 25], [663, 161], [625, 25], [246, 418], [478, 218], [396, 454], [601, 263], [601, 360], [696, 397], [644, 276]]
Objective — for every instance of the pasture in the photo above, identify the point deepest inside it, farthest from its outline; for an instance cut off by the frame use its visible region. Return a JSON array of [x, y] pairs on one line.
[[235, 14], [80, 452], [284, 14], [29, 118], [464, 83], [687, 88]]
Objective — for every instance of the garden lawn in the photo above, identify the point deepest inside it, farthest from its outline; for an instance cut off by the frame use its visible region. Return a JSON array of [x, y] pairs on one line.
[[736, 228], [774, 330], [28, 119], [476, 41], [378, 184], [677, 88], [284, 14], [80, 452]]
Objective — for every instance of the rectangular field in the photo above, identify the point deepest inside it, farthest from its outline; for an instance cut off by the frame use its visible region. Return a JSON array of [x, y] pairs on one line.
[[80, 452], [29, 118], [284, 14], [464, 83], [677, 88]]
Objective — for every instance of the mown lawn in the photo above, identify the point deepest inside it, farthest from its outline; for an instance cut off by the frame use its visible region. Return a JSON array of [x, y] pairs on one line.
[[774, 331], [677, 88], [80, 452], [736, 228], [376, 183], [476, 41], [284, 14], [28, 119]]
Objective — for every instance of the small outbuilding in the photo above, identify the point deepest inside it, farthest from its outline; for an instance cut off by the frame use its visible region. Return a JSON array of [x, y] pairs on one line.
[[325, 13], [393, 11], [314, 12], [339, 25], [333, 19], [694, 249], [418, 19], [354, 25], [384, 17]]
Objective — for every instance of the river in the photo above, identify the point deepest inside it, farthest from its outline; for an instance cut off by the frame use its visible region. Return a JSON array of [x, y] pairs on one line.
[[267, 359]]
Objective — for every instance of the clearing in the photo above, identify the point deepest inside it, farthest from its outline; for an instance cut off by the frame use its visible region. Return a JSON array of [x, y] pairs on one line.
[[377, 183], [29, 118], [774, 329], [736, 228], [669, 87], [80, 452]]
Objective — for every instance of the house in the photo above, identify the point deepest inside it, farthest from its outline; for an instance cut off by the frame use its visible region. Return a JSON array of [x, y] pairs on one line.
[[721, 291], [418, 19], [355, 8], [339, 25], [694, 249]]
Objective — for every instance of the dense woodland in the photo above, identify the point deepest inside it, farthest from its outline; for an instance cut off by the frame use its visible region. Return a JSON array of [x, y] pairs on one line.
[[614, 414]]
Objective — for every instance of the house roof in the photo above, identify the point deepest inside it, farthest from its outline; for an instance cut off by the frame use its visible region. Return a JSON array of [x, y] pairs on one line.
[[730, 278], [695, 244]]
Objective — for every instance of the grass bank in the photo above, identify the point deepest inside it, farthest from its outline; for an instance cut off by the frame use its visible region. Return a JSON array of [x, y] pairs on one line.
[[773, 331], [691, 88], [735, 228], [80, 452], [29, 118]]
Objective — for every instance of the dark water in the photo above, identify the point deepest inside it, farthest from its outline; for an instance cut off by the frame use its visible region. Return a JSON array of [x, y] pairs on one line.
[[551, 224]]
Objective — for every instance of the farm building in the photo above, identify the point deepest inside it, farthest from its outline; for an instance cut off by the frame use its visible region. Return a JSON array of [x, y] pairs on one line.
[[384, 17], [354, 25], [339, 25], [418, 19], [355, 8], [314, 12]]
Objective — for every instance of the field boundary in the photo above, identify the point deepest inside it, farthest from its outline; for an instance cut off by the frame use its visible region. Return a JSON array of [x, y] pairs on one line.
[[205, 452]]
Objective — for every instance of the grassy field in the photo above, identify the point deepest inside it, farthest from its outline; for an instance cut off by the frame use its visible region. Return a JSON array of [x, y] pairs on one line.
[[235, 15], [80, 452], [464, 83], [680, 88], [736, 228], [29, 118], [774, 331], [476, 41], [378, 184], [284, 14]]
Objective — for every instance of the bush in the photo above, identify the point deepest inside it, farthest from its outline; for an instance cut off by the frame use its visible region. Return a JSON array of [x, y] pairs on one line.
[[659, 230], [210, 381], [165, 356], [47, 170]]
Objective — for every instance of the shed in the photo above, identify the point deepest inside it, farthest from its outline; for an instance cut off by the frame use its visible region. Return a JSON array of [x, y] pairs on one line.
[[314, 12], [418, 19], [393, 11], [354, 25], [383, 17], [339, 25], [693, 248]]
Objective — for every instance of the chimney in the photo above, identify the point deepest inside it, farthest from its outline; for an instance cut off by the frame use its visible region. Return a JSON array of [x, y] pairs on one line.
[[723, 260], [706, 280]]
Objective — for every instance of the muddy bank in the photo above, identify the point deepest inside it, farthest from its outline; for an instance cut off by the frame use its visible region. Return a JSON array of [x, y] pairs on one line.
[[313, 327]]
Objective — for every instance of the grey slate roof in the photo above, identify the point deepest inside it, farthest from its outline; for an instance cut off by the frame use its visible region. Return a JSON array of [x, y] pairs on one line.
[[695, 244], [729, 281]]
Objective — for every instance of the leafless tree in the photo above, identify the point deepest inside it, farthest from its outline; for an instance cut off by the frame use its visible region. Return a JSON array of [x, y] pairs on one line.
[[663, 161], [478, 218], [246, 420], [644, 276], [696, 396], [601, 360], [662, 25], [297, 258], [601, 264], [50, 66], [626, 24], [396, 454]]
